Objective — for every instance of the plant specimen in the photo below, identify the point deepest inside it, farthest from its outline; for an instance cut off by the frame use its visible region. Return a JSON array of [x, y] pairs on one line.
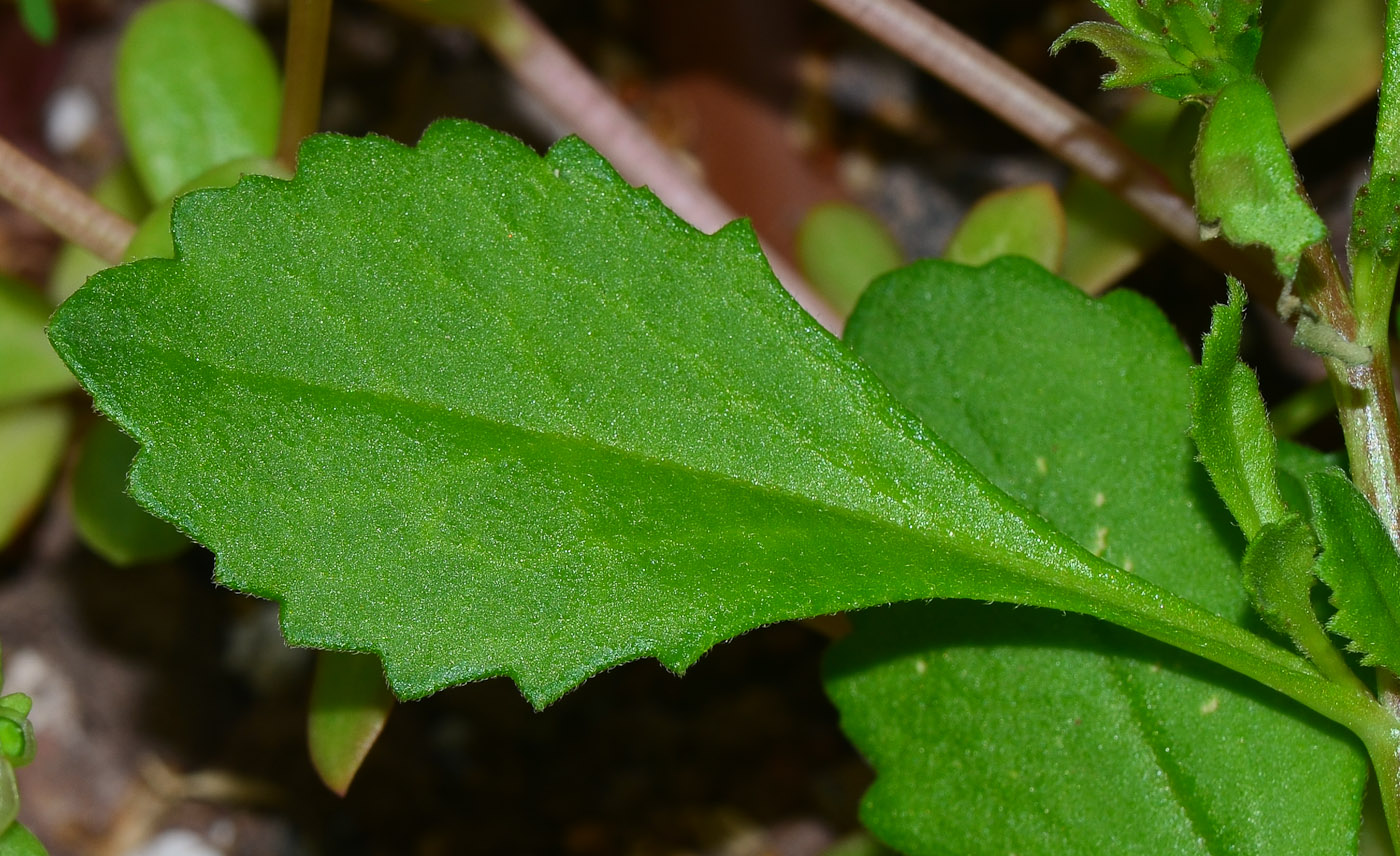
[[483, 412]]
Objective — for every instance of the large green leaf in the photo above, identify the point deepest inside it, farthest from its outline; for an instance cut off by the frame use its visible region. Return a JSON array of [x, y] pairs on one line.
[[196, 87], [487, 413], [996, 730]]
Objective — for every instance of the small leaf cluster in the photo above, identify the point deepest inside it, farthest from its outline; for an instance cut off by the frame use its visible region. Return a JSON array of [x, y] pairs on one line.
[[17, 746], [1205, 51], [1176, 48], [1281, 563]]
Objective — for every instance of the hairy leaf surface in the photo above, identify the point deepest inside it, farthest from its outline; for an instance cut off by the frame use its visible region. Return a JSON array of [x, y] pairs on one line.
[[487, 413], [1246, 184], [997, 730], [1176, 49], [1229, 423]]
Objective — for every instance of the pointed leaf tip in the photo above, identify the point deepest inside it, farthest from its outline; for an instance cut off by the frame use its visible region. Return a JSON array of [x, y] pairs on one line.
[[1230, 425]]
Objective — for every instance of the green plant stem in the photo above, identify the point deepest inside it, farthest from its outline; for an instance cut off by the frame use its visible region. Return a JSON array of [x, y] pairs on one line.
[[1382, 742], [568, 90], [58, 204], [1365, 393], [308, 30]]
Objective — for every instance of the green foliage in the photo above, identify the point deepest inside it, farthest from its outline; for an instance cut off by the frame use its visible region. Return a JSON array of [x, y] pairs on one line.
[[1246, 185], [1023, 221], [1177, 49], [1278, 572], [841, 248], [18, 841], [32, 370], [16, 750], [349, 706], [39, 19], [995, 730], [107, 519], [196, 87], [1320, 59], [484, 413], [1359, 563], [1245, 182], [119, 190], [487, 413], [1230, 425], [32, 439]]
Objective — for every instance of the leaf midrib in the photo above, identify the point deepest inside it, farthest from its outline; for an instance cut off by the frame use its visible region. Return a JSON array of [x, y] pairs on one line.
[[403, 403]]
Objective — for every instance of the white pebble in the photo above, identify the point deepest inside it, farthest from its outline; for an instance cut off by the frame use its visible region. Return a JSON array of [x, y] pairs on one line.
[[244, 9], [176, 842], [70, 119]]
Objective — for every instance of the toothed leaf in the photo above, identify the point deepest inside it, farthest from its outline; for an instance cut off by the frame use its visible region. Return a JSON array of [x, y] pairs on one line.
[[1359, 563], [487, 413], [1177, 49]]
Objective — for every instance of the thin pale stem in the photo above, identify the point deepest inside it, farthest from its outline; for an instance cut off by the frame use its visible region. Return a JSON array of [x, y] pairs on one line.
[[1059, 127], [308, 29], [568, 90], [1365, 393], [58, 204]]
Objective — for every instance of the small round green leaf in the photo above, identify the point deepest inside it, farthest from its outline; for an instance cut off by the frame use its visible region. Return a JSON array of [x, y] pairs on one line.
[[196, 87], [29, 368], [1020, 221], [32, 440], [842, 248]]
